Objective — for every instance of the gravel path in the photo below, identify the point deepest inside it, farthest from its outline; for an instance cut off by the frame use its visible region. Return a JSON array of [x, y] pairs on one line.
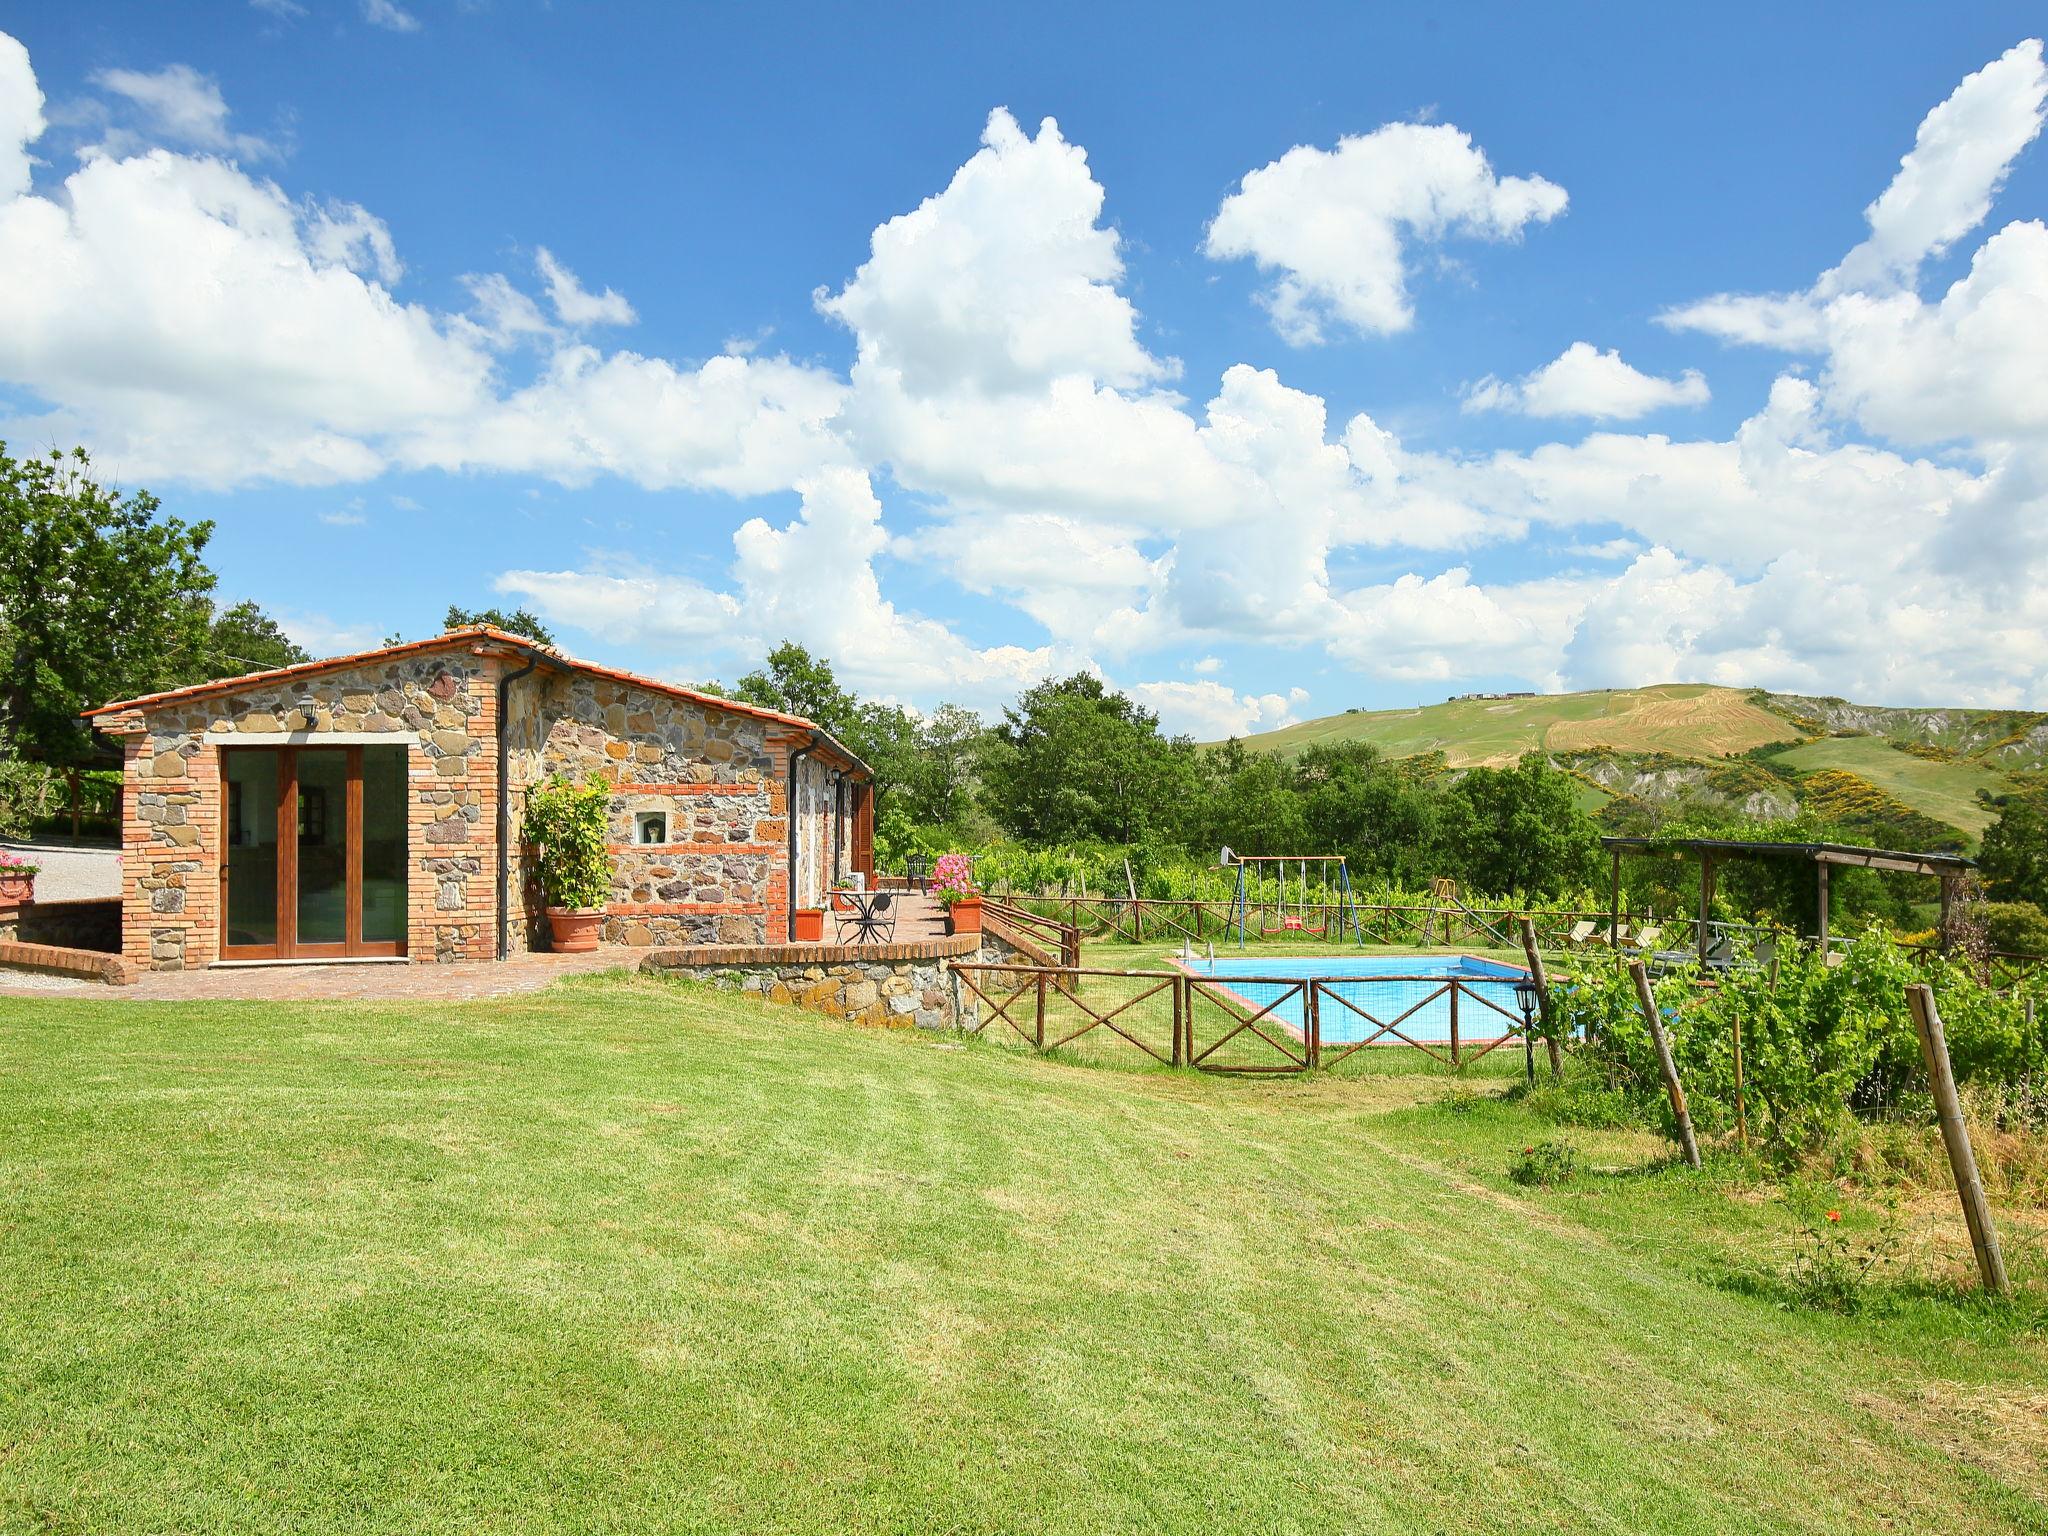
[[72, 873]]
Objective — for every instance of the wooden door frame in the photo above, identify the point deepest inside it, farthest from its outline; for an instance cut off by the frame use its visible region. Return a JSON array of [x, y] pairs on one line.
[[286, 945]]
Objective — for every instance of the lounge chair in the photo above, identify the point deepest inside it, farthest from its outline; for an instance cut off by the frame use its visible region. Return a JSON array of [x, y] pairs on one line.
[[1582, 933], [1646, 938]]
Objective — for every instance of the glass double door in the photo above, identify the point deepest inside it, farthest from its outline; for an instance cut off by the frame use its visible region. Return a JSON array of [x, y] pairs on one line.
[[312, 852]]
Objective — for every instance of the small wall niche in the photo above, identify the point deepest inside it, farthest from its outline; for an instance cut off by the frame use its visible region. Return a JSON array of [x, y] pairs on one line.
[[650, 826]]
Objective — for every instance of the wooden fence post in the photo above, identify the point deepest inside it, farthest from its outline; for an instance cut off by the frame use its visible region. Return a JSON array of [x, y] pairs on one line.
[[1956, 1136], [1180, 1020], [1741, 1108], [1312, 1025], [1541, 977], [1647, 1000], [1454, 1023], [1038, 1032]]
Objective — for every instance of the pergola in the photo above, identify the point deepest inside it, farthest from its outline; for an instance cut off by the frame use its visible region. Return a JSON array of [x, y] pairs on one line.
[[1825, 857]]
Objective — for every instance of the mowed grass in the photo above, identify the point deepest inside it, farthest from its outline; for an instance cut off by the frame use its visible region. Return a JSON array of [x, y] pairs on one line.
[[1685, 719], [1946, 791], [634, 1256]]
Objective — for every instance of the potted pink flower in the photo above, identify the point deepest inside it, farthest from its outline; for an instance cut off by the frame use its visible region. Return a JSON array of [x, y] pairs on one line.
[[953, 883], [17, 879]]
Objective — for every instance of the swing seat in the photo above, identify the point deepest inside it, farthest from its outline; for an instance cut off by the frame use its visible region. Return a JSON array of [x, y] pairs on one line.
[[1292, 924]]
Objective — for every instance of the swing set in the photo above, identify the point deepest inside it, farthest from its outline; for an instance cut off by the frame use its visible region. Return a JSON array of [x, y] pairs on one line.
[[1263, 887]]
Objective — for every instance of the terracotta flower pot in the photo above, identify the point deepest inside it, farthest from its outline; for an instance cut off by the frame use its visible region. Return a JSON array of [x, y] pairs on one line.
[[964, 916], [574, 930], [842, 901], [808, 924], [17, 890]]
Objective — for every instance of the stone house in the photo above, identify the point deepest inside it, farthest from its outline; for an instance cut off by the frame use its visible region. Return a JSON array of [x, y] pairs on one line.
[[367, 807]]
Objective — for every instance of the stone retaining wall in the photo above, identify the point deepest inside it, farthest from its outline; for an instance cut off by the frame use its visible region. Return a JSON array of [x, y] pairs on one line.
[[894, 985], [92, 925]]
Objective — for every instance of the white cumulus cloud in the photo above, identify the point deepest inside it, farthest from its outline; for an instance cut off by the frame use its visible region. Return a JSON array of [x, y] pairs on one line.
[[1210, 711], [1337, 224], [574, 304], [180, 106], [1584, 381]]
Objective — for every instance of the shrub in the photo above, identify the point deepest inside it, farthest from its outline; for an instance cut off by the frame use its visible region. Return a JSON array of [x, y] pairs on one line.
[[1546, 1164], [1817, 1042], [568, 824], [1835, 1263], [2016, 927], [29, 792]]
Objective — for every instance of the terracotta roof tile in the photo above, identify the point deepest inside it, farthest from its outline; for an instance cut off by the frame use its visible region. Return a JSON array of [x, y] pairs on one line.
[[468, 635]]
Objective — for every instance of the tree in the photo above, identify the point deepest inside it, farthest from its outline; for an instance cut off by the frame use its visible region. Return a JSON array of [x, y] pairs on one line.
[[798, 683], [244, 639], [1381, 814], [520, 621], [884, 736], [1249, 801], [100, 598], [1519, 829], [2014, 857], [1073, 761], [942, 783]]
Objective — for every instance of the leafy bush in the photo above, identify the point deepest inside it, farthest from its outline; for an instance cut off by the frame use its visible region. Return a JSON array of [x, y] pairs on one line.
[[2016, 927], [1835, 1263], [29, 792], [1546, 1164], [568, 825], [1818, 1042]]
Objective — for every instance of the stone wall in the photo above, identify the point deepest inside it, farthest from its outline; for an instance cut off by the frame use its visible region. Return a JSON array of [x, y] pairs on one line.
[[440, 706], [719, 775], [892, 985], [94, 925], [889, 992], [714, 773]]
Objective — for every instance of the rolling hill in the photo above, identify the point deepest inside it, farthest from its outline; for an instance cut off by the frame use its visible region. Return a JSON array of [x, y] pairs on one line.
[[1744, 749]]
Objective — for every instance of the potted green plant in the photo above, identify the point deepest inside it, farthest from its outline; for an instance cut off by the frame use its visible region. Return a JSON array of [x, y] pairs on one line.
[[17, 879], [953, 883], [567, 825]]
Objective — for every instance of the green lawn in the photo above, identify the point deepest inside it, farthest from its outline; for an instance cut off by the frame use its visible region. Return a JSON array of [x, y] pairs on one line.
[[630, 1256]]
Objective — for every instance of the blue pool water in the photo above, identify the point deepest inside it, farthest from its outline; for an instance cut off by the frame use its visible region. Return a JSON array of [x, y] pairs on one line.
[[1382, 986]]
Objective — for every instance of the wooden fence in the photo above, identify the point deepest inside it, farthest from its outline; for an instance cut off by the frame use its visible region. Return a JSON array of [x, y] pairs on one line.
[[1240, 1023], [1060, 942], [1123, 919]]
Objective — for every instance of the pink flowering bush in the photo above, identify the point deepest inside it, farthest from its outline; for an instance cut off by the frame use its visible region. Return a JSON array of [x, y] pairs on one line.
[[953, 879], [14, 865]]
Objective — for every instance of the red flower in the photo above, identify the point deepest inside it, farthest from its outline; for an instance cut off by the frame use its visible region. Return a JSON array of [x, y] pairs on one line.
[[1834, 1215], [1527, 1150]]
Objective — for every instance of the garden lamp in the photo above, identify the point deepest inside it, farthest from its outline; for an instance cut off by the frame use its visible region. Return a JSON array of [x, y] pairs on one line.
[[1525, 999]]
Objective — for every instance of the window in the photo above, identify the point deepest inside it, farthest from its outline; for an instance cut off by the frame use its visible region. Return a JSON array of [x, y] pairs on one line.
[[650, 826]]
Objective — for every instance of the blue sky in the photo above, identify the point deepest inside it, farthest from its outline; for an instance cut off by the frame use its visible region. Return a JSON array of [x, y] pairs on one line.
[[1340, 358]]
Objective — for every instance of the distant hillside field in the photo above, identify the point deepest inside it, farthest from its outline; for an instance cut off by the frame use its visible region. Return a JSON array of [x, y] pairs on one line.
[[1947, 791], [1675, 739], [1682, 719]]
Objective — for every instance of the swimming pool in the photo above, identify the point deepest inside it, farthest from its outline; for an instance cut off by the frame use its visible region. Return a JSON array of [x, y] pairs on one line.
[[1384, 986]]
